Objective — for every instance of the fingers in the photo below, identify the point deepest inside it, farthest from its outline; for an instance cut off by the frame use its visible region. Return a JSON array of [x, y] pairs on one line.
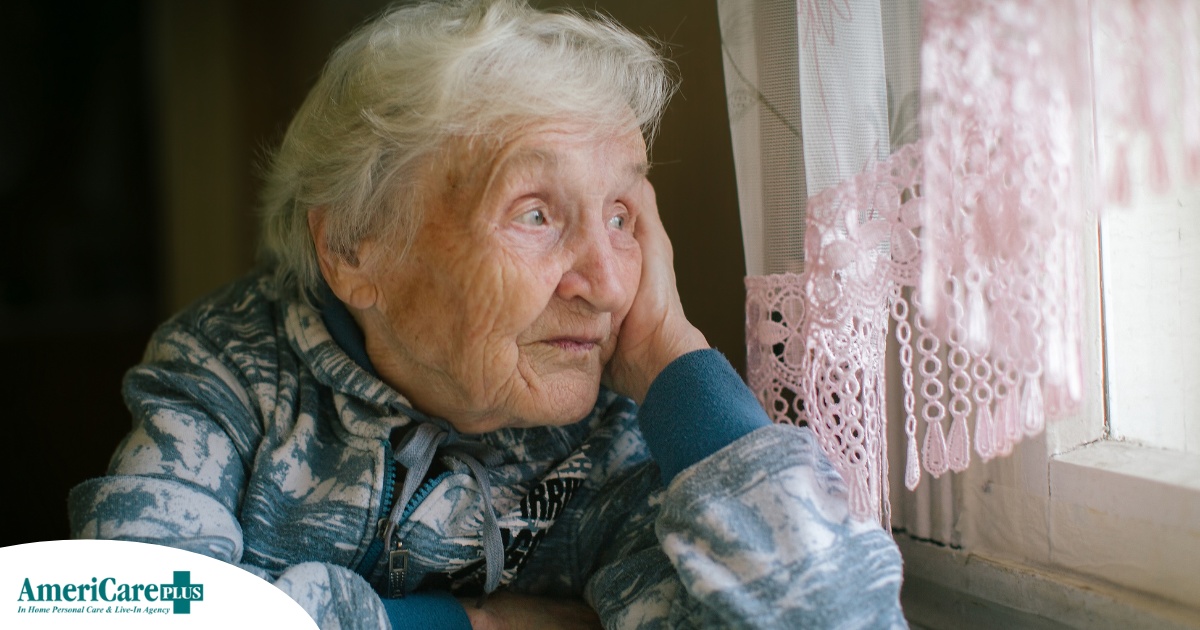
[[649, 230]]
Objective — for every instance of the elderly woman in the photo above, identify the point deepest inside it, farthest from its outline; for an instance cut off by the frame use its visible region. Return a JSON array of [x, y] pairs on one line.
[[465, 369]]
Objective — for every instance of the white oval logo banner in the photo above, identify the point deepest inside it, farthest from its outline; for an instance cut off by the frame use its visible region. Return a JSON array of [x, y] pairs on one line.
[[117, 584]]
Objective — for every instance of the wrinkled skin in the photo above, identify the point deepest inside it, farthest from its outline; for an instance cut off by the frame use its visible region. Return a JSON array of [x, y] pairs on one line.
[[523, 283]]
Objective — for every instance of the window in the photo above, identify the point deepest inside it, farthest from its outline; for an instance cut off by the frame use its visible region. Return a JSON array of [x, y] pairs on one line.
[[1096, 524]]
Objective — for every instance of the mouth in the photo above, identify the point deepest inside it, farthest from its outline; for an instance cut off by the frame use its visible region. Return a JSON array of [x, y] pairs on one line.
[[574, 344]]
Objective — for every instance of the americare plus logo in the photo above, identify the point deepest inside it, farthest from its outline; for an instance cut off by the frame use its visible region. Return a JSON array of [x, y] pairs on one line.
[[110, 596]]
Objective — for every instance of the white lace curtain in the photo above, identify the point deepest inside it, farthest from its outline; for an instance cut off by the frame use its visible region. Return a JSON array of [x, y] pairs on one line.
[[923, 169]]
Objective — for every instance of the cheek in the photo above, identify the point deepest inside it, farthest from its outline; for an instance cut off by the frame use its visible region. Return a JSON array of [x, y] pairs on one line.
[[414, 302], [510, 290], [430, 295]]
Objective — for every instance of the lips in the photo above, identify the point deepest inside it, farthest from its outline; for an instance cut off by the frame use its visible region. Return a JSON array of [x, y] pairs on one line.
[[575, 343]]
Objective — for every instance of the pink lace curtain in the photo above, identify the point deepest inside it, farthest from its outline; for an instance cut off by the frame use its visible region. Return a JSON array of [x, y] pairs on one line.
[[924, 170]]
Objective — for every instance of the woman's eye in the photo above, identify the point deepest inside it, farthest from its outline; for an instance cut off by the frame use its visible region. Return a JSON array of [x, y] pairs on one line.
[[617, 222], [535, 217]]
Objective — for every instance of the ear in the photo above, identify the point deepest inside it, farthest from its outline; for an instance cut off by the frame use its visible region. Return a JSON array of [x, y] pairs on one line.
[[347, 275]]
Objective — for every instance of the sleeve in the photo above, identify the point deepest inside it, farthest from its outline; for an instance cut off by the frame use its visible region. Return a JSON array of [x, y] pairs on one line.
[[178, 477], [752, 529]]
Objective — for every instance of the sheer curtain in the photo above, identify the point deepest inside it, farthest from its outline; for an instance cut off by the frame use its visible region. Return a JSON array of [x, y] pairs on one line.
[[925, 170]]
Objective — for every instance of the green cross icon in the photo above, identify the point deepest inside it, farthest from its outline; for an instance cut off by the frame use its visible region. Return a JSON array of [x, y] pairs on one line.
[[183, 579]]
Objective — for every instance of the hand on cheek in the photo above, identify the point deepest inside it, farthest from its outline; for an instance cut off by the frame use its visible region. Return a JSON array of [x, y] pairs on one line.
[[655, 331]]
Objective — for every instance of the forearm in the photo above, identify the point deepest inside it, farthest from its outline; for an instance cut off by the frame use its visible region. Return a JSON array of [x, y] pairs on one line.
[[696, 406], [761, 533], [754, 527], [173, 513]]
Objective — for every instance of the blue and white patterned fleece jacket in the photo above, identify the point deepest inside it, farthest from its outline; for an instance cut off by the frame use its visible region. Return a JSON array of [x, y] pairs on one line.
[[258, 440]]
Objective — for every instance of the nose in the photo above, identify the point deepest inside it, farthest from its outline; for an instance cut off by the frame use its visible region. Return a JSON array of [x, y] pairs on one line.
[[595, 273]]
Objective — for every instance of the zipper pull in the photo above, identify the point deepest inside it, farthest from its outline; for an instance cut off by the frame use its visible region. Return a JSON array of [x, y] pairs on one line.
[[397, 570]]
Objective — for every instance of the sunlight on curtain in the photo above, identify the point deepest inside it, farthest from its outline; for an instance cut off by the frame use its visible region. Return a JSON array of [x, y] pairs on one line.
[[966, 240]]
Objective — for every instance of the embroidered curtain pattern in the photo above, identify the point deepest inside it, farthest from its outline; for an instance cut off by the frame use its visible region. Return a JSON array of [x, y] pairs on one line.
[[963, 241]]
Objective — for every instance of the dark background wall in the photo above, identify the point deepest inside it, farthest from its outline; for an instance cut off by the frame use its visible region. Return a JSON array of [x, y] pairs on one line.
[[130, 138]]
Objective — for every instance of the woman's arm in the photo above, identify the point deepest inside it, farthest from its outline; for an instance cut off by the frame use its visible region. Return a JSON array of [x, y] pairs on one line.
[[753, 528], [754, 535], [180, 476]]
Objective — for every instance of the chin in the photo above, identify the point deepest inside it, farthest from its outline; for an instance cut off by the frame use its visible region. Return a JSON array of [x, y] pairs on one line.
[[558, 399], [557, 415], [567, 404]]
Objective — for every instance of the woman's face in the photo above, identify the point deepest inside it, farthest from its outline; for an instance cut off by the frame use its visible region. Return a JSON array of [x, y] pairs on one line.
[[507, 306]]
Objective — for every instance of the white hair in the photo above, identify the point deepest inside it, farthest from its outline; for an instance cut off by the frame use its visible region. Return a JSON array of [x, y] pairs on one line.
[[406, 83]]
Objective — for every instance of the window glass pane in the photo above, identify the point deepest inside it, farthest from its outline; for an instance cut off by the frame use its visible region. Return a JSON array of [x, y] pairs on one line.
[[1151, 287]]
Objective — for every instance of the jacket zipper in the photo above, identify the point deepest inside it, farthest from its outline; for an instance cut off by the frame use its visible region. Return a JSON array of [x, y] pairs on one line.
[[397, 573], [397, 576], [385, 507]]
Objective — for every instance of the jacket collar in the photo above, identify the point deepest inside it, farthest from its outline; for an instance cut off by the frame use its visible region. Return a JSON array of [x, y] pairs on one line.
[[331, 345]]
